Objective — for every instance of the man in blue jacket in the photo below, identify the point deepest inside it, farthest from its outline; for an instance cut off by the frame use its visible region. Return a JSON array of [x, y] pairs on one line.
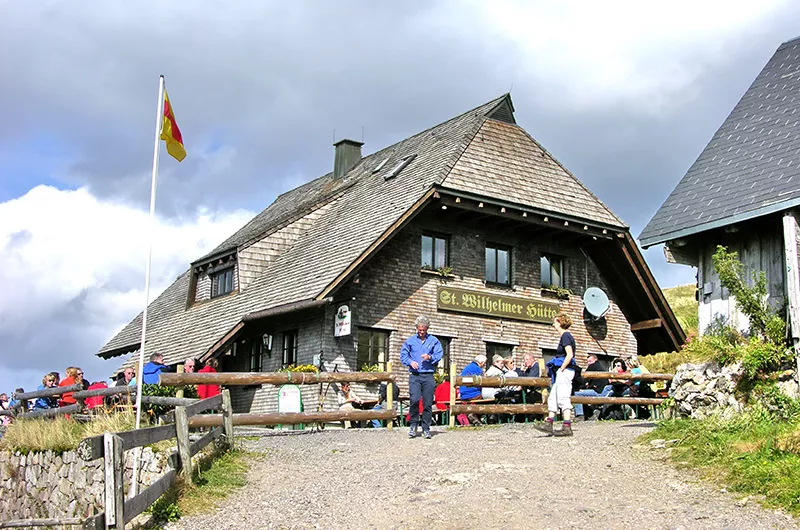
[[468, 393], [153, 368], [421, 353]]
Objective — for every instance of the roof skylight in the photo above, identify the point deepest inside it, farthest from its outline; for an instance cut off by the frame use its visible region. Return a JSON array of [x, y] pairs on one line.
[[400, 166]]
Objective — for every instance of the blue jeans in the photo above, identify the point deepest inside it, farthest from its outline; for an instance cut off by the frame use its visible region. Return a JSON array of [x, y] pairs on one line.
[[593, 393], [420, 386], [377, 423]]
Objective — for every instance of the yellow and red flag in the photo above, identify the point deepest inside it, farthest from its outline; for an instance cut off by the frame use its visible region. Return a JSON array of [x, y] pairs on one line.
[[170, 132]]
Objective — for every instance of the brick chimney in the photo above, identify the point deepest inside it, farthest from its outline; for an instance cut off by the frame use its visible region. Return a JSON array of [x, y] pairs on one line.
[[348, 154]]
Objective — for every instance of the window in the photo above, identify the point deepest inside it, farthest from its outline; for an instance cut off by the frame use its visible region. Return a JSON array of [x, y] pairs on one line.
[[290, 347], [255, 355], [552, 271], [434, 252], [222, 282], [444, 364], [498, 265], [495, 348], [372, 347]]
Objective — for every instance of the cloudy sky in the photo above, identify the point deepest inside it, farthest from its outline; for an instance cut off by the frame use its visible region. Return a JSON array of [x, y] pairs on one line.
[[625, 95]]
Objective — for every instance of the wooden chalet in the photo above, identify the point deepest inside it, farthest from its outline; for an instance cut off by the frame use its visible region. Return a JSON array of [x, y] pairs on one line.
[[470, 222], [743, 192]]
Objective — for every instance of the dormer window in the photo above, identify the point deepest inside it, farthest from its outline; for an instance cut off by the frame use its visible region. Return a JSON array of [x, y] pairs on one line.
[[221, 282]]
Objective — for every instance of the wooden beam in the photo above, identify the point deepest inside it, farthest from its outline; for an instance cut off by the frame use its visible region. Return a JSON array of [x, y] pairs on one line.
[[46, 413], [92, 448], [627, 376], [145, 499], [272, 378], [221, 343], [496, 382], [29, 523], [646, 324], [531, 218], [792, 270], [48, 392], [293, 418], [204, 440], [114, 499], [530, 408], [610, 400], [184, 449]]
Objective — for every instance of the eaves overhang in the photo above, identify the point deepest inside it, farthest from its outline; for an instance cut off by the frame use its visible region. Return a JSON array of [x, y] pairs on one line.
[[719, 223]]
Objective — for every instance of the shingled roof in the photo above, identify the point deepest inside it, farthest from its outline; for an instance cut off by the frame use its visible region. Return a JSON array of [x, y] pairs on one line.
[[363, 208], [750, 168]]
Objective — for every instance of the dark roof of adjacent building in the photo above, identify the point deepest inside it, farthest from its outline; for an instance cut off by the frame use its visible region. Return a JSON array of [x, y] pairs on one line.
[[750, 168], [361, 209]]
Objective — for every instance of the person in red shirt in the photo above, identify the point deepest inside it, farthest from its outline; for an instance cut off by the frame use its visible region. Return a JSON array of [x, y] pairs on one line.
[[441, 395], [207, 391], [74, 376]]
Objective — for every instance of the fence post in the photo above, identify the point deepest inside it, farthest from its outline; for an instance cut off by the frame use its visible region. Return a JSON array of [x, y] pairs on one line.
[[452, 419], [114, 496], [184, 450], [179, 393], [227, 418], [389, 397]]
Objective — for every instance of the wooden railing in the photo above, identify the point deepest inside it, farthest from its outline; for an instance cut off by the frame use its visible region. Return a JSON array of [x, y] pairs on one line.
[[281, 378], [80, 396], [111, 447], [541, 382]]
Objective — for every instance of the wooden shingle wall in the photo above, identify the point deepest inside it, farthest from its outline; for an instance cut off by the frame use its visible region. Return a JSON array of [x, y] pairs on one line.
[[253, 259]]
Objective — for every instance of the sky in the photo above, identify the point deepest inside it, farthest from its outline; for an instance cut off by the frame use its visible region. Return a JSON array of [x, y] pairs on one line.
[[625, 94]]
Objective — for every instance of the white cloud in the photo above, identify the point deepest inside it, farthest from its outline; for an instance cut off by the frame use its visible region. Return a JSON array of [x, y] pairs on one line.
[[72, 260], [643, 54]]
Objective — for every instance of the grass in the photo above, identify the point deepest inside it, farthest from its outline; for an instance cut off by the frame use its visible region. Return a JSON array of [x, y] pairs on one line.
[[683, 303], [752, 454], [61, 434], [216, 476]]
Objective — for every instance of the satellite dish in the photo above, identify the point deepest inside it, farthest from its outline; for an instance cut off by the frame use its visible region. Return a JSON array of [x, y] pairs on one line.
[[596, 302]]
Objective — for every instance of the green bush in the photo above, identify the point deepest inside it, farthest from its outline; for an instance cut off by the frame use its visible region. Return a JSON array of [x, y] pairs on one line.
[[760, 357], [770, 403], [164, 391]]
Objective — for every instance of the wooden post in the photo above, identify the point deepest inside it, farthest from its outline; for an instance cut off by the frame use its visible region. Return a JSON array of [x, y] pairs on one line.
[[389, 396], [227, 418], [179, 393], [792, 268], [452, 420], [184, 450], [114, 496]]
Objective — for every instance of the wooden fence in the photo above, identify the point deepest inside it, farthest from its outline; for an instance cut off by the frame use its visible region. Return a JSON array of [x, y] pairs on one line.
[[111, 447], [280, 378], [457, 407], [80, 396]]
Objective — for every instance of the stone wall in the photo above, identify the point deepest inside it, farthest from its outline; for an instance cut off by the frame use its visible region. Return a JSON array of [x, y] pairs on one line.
[[703, 389], [50, 484]]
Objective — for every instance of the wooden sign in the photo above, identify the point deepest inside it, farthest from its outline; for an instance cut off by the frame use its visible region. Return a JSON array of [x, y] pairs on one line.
[[493, 305]]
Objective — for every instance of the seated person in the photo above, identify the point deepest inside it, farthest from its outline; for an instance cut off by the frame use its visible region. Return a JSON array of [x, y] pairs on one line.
[[347, 398], [530, 368], [441, 395], [383, 401], [48, 381], [19, 406], [471, 393], [509, 394], [591, 387], [495, 370], [616, 388]]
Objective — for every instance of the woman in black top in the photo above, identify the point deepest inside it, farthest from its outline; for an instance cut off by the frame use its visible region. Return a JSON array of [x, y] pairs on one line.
[[562, 371]]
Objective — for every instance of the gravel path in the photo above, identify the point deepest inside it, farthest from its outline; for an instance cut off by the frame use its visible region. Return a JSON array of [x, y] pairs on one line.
[[503, 477]]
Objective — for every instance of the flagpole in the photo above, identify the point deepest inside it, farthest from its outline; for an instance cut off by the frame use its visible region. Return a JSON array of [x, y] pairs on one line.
[[140, 375]]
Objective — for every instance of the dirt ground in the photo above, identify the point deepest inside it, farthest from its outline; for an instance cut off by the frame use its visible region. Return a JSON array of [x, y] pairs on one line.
[[509, 476]]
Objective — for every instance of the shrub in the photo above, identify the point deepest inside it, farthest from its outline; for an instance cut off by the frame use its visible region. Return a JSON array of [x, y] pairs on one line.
[[300, 368]]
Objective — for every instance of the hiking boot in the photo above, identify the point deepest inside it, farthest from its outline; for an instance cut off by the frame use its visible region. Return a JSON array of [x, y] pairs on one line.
[[546, 427], [412, 432], [426, 435], [566, 430]]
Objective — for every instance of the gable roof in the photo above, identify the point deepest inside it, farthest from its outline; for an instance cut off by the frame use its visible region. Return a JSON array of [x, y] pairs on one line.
[[751, 167], [364, 209]]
